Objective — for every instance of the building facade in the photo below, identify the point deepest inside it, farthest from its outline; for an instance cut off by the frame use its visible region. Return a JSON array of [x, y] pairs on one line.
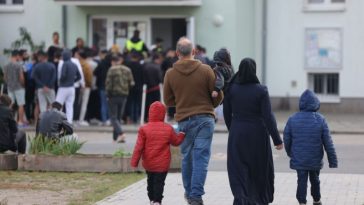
[[316, 44], [102, 23]]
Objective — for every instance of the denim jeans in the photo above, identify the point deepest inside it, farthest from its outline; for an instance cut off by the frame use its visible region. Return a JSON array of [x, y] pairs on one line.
[[196, 152], [104, 107], [302, 176]]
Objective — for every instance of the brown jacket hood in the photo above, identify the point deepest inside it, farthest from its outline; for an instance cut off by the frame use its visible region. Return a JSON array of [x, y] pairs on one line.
[[186, 67]]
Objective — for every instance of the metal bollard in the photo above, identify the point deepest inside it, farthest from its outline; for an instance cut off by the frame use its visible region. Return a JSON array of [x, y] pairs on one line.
[[144, 96]]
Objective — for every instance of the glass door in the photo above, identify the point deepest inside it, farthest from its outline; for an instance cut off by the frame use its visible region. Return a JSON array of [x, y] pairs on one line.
[[124, 30], [106, 31]]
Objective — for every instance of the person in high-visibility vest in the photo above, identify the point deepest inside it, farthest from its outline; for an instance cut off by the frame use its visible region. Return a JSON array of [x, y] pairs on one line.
[[135, 43]]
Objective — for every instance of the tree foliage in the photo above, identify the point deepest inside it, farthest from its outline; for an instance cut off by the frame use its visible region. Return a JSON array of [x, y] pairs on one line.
[[25, 40]]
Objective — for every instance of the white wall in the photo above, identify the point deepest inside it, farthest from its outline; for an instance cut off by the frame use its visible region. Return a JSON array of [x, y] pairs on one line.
[[40, 17], [285, 61]]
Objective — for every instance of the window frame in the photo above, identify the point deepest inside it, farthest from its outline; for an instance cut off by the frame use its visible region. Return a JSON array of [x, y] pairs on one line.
[[327, 6], [10, 7], [324, 97]]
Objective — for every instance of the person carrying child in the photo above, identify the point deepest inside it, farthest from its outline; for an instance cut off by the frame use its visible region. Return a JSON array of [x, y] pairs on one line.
[[153, 146], [223, 70], [306, 135]]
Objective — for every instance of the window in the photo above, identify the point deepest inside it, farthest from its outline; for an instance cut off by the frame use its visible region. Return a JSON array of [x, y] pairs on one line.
[[11, 2], [17, 1], [11, 6], [324, 85], [324, 5]]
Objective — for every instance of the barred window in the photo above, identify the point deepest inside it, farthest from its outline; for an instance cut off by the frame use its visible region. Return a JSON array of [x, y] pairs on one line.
[[324, 83]]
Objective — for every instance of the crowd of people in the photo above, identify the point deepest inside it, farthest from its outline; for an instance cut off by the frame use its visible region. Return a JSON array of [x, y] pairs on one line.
[[102, 86], [78, 80]]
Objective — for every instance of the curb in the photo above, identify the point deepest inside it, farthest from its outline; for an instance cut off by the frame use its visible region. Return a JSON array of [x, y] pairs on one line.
[[220, 131]]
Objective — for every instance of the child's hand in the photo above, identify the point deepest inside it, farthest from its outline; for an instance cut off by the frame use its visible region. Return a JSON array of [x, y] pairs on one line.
[[214, 94], [279, 147], [332, 165]]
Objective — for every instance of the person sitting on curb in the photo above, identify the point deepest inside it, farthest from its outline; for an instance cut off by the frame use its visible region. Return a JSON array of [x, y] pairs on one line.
[[10, 137], [153, 145], [53, 123]]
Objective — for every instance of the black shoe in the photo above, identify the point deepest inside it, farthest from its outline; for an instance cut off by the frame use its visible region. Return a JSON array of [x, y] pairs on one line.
[[196, 202], [317, 203], [188, 200]]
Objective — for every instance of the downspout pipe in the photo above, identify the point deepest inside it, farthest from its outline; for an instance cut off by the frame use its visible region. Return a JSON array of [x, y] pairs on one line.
[[264, 41], [64, 25]]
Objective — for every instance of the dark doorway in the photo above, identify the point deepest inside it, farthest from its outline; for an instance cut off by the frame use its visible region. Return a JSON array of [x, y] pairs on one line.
[[170, 30]]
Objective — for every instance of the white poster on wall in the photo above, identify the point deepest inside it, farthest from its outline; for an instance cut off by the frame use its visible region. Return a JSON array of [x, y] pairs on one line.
[[323, 48]]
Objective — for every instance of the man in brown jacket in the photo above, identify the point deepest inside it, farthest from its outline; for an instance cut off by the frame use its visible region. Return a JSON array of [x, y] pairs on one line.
[[188, 87]]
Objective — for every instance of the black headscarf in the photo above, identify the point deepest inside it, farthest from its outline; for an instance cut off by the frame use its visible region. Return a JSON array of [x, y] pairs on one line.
[[222, 57], [247, 73]]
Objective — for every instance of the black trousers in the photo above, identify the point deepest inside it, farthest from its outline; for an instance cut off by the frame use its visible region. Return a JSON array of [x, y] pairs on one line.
[[77, 104], [20, 143], [155, 186]]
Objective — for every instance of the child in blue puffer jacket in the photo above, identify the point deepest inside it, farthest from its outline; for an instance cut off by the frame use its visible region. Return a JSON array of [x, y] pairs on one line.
[[306, 135]]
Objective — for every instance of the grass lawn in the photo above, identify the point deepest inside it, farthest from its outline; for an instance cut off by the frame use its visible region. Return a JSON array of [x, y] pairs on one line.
[[60, 188]]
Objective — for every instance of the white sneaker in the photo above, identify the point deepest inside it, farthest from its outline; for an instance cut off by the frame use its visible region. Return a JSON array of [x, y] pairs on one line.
[[84, 123], [156, 203], [107, 123]]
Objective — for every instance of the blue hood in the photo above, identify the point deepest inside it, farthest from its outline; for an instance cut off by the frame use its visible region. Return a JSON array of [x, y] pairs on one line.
[[66, 54], [309, 102]]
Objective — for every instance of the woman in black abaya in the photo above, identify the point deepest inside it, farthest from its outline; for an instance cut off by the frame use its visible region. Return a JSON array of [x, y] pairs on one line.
[[250, 121]]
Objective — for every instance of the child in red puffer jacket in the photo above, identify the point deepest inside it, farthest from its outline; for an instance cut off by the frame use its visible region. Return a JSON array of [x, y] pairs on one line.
[[153, 145]]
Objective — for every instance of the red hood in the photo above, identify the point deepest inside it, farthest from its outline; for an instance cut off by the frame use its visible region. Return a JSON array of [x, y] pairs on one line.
[[157, 112]]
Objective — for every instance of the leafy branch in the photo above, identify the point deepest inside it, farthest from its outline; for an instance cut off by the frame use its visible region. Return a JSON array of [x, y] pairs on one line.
[[24, 40]]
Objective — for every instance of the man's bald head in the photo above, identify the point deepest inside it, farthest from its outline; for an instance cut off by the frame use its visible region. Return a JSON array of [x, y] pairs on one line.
[[184, 47]]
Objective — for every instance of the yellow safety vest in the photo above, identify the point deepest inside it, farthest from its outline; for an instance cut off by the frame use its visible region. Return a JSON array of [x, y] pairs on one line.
[[138, 46]]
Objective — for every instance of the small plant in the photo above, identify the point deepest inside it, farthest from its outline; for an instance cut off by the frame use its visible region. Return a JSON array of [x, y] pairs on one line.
[[47, 145], [121, 153]]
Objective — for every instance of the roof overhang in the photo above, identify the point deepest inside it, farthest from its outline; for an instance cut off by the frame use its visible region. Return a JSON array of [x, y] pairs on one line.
[[131, 2]]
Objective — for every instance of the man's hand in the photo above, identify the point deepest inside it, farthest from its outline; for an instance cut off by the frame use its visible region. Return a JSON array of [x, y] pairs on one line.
[[279, 147]]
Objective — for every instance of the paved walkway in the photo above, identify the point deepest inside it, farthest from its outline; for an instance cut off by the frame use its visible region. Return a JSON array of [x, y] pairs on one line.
[[336, 189]]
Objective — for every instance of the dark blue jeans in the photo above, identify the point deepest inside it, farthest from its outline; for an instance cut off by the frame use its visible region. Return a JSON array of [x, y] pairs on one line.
[[116, 109], [302, 176], [196, 152], [104, 105]]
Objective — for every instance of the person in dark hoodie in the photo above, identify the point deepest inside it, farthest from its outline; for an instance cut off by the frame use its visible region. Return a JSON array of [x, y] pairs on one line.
[[100, 73], [137, 44], [10, 137], [152, 77], [53, 123], [223, 70], [67, 76], [306, 136]]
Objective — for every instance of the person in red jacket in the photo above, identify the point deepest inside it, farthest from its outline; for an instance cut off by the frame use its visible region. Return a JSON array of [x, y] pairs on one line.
[[153, 146]]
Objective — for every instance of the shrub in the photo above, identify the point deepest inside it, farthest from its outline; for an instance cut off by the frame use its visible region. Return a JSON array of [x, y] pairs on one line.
[[46, 145], [121, 153]]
